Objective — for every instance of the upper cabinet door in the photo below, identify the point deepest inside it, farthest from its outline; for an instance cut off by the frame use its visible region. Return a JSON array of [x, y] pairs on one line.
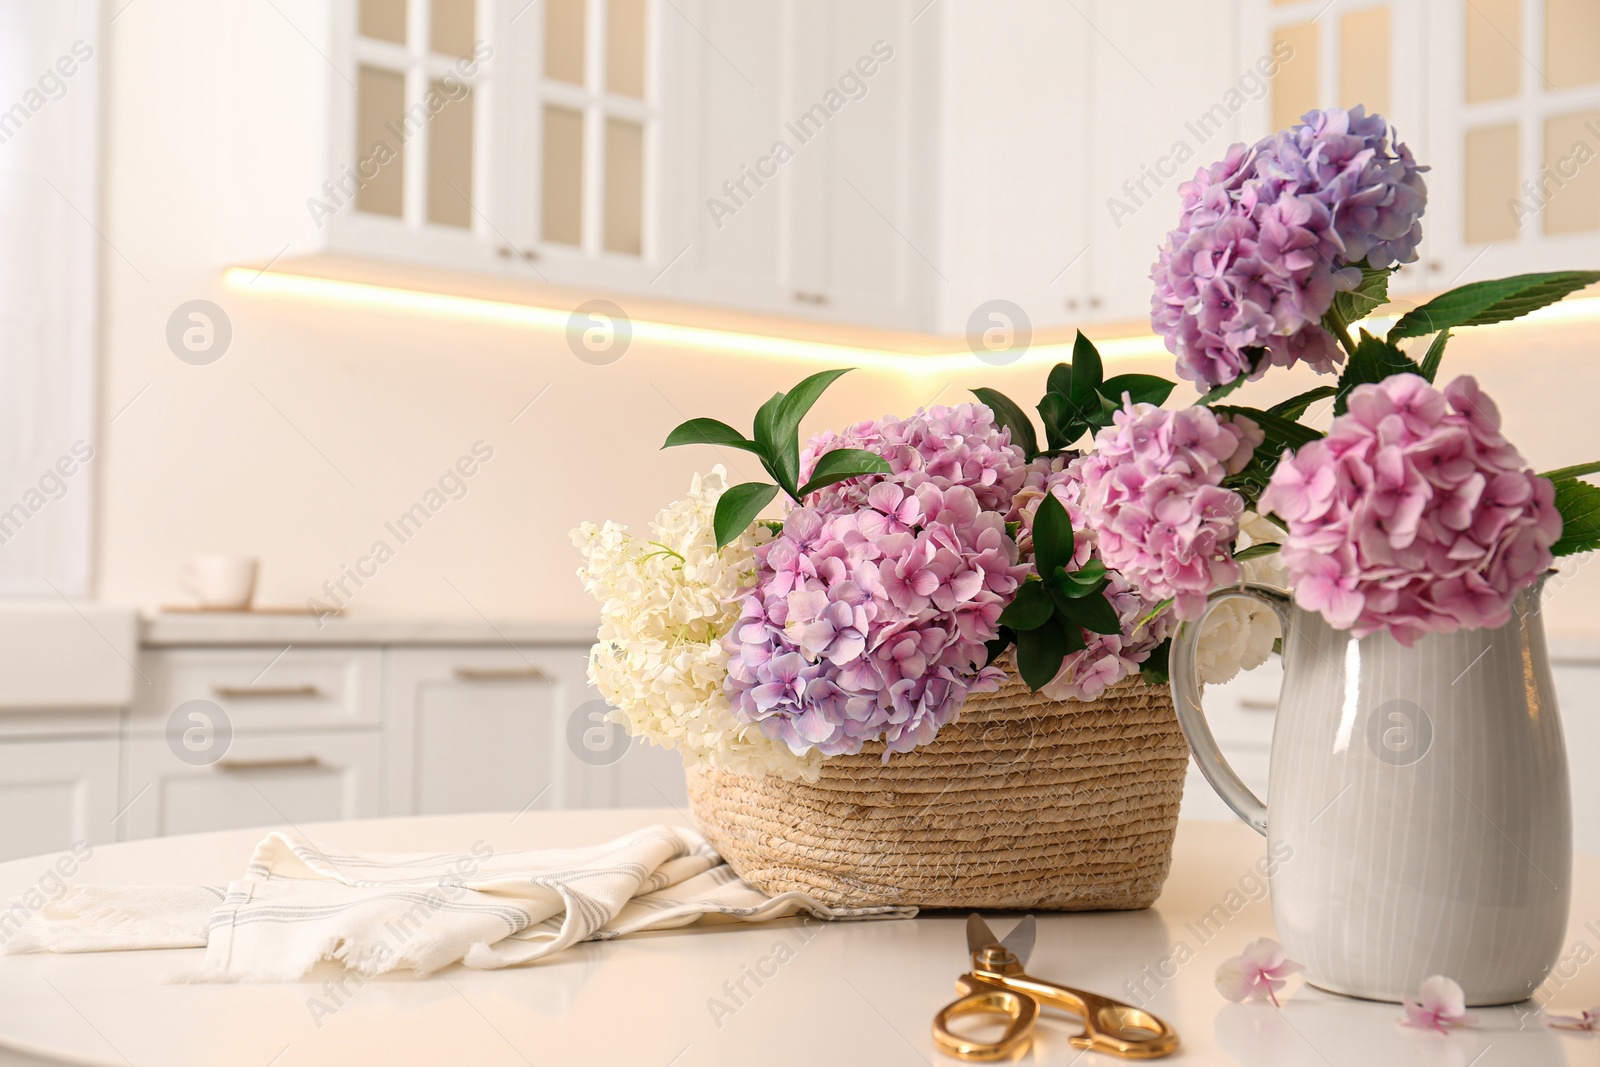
[[1015, 120], [1168, 94], [1516, 182]]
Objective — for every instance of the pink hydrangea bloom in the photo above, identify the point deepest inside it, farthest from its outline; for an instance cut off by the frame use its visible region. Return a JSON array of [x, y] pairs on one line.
[[868, 621], [1414, 514], [1108, 658], [1152, 492], [1440, 1003], [946, 446], [1260, 971], [1270, 233]]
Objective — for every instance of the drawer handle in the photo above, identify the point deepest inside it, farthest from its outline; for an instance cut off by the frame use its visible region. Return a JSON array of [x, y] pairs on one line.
[[501, 674], [234, 692], [266, 764], [1257, 704]]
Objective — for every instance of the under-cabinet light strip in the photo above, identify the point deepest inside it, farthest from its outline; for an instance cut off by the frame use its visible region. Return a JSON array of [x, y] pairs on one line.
[[282, 283], [701, 338]]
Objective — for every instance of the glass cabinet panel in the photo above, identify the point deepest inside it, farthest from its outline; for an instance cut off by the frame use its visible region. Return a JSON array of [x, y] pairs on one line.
[[1571, 43], [1492, 176], [452, 27], [625, 37], [624, 202], [1572, 181], [1364, 47], [1494, 49], [384, 20], [380, 111], [561, 211], [1294, 90], [450, 158], [563, 40]]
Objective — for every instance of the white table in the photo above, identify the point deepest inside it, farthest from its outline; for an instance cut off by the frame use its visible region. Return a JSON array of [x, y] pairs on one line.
[[852, 993]]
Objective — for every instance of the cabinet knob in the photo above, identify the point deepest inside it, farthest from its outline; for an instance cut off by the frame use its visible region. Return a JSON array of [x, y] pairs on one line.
[[1095, 301], [1434, 266], [529, 255], [1070, 303], [504, 252], [815, 299]]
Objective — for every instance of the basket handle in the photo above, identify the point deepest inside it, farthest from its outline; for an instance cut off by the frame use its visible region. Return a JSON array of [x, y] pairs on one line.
[[1191, 716]]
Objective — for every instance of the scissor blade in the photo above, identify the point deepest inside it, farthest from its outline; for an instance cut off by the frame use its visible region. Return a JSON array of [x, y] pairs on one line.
[[979, 936], [1021, 938]]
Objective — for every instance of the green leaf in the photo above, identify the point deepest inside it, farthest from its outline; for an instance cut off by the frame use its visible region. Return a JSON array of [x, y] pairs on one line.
[[1280, 432], [1435, 355], [1577, 471], [1029, 609], [1373, 360], [1087, 579], [797, 401], [1013, 418], [1296, 406], [1141, 389], [774, 452], [1157, 610], [1052, 536], [708, 432], [1359, 302], [997, 645], [1221, 391], [1155, 668], [1579, 505], [1039, 653], [1059, 379], [844, 463], [1058, 423], [1096, 613], [1086, 376], [738, 507], [1493, 301], [1266, 548]]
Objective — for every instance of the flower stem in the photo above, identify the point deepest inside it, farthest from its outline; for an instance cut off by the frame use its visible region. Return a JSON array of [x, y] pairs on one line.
[[1336, 326]]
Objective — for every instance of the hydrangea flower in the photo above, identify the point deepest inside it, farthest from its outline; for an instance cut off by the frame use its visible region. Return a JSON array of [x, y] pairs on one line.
[[945, 446], [1260, 971], [868, 622], [1414, 514], [1270, 233], [1238, 634], [1152, 491], [1108, 658], [1440, 1004], [666, 602]]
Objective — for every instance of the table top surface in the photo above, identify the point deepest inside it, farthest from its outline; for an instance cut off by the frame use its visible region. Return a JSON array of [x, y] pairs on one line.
[[783, 992]]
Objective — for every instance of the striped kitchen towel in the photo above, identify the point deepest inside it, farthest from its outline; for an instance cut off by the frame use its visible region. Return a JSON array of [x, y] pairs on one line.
[[299, 904]]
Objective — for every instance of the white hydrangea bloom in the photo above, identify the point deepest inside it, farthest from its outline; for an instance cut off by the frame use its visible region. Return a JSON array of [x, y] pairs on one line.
[[665, 604], [1238, 634]]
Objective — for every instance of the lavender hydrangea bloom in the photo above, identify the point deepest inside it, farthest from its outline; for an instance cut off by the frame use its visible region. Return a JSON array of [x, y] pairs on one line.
[[868, 621], [1269, 234]]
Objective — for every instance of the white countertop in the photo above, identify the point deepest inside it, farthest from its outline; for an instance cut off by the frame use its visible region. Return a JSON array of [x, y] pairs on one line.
[[849, 993], [252, 628]]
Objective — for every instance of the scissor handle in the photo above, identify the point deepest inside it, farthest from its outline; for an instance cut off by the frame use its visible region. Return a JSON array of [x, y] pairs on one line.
[[980, 996], [1109, 1026]]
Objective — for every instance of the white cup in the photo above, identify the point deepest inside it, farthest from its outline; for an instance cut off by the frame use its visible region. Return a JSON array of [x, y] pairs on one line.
[[219, 582]]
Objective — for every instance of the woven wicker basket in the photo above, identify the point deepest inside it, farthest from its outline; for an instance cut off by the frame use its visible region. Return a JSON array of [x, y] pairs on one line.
[[1022, 802]]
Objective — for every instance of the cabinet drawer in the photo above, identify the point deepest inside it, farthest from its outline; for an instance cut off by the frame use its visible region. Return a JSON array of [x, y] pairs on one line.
[[277, 779], [263, 688]]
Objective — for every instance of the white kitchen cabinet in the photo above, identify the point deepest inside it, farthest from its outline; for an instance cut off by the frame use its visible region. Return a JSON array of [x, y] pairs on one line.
[[268, 687], [508, 729], [1578, 695], [1163, 105], [55, 793], [262, 779]]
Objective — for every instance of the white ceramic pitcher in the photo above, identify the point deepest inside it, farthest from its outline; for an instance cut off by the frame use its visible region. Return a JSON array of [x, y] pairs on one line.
[[1421, 795]]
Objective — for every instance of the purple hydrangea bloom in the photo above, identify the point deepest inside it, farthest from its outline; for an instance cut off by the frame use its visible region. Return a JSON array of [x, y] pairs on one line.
[[1271, 233], [868, 620]]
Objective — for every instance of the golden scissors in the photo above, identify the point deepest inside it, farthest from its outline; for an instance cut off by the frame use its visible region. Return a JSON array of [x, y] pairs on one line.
[[997, 985]]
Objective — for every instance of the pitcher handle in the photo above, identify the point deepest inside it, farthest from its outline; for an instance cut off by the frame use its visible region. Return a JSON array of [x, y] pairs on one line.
[[1185, 675]]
